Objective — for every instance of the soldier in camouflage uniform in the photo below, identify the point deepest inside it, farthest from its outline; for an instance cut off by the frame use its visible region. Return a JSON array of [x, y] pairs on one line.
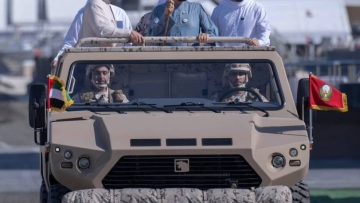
[[237, 75], [99, 76], [271, 194]]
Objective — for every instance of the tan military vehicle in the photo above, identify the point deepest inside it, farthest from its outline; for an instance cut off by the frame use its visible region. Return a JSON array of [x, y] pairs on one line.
[[172, 124]]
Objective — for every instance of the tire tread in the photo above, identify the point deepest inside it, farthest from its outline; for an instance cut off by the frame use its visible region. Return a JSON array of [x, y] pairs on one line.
[[57, 193], [300, 192]]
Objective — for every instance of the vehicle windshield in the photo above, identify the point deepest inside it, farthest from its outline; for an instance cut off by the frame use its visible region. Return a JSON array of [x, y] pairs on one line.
[[169, 82]]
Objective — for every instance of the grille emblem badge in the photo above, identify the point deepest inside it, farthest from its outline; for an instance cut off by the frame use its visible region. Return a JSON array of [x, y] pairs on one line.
[[182, 165]]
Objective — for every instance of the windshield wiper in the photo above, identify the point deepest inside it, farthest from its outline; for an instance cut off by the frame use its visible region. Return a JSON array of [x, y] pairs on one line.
[[106, 106], [152, 106], [248, 104], [187, 104]]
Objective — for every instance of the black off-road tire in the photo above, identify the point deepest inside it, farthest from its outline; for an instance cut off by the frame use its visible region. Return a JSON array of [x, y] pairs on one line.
[[57, 192], [300, 193], [43, 193]]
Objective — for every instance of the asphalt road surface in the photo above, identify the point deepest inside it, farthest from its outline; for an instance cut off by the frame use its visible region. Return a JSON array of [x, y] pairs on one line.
[[16, 197], [14, 126], [20, 178], [19, 175]]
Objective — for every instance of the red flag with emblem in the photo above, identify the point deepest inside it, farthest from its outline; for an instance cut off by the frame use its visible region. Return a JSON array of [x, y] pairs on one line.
[[325, 97]]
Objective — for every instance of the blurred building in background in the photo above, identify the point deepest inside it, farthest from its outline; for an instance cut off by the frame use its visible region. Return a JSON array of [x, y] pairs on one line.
[[353, 10], [31, 31], [307, 29]]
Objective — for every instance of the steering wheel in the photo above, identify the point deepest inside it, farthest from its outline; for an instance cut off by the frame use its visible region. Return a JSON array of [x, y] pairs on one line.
[[237, 89]]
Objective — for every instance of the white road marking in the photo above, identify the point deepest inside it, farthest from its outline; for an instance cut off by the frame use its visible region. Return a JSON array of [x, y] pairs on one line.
[[9, 149], [333, 178]]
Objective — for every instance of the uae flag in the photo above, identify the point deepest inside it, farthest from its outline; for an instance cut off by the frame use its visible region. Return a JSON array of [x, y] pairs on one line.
[[325, 97], [58, 98]]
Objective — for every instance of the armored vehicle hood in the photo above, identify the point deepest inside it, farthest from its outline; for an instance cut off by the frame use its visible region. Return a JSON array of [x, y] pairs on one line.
[[124, 131]]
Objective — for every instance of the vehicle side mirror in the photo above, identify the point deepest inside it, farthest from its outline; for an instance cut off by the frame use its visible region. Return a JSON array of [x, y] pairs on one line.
[[37, 105]]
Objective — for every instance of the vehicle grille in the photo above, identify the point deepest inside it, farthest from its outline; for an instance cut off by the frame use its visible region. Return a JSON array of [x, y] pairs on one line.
[[205, 172]]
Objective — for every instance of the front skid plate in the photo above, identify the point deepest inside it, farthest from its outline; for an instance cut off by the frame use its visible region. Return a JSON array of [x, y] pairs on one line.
[[278, 194]]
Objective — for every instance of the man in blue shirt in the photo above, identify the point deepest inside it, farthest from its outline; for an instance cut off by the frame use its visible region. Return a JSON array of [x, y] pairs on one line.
[[185, 19]]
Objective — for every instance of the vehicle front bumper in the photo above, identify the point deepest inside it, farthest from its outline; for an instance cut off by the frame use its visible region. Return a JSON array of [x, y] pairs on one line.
[[180, 195]]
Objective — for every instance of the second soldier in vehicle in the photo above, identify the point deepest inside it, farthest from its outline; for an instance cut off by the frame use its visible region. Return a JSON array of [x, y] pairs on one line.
[[235, 79]]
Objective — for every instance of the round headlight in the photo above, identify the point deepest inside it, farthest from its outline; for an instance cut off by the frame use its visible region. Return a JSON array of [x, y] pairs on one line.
[[83, 162], [278, 161], [67, 154], [293, 152]]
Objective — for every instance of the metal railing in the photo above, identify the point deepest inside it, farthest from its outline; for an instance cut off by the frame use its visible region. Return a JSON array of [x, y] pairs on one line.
[[161, 40]]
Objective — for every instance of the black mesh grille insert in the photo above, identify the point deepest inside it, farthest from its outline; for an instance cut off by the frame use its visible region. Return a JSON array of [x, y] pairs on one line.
[[205, 171]]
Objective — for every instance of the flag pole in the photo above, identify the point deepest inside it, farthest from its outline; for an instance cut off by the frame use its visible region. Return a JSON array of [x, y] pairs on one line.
[[310, 128], [310, 117], [48, 93], [48, 108]]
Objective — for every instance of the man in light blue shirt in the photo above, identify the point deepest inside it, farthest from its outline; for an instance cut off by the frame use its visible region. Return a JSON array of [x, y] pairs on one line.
[[242, 18], [185, 19], [73, 34]]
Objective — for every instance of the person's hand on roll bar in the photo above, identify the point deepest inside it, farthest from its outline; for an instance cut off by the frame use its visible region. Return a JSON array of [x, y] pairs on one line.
[[203, 37], [136, 37], [254, 42]]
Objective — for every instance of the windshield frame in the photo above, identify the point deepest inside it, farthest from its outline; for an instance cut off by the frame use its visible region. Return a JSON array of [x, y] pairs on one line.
[[222, 107]]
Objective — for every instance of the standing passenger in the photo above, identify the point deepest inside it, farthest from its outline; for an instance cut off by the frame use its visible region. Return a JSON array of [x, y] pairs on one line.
[[73, 35], [99, 21], [186, 19], [242, 18]]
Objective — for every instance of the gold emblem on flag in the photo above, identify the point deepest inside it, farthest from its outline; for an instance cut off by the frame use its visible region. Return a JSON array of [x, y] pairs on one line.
[[325, 92]]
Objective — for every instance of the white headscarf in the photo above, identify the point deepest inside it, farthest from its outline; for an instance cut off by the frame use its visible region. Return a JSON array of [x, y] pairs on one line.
[[161, 2]]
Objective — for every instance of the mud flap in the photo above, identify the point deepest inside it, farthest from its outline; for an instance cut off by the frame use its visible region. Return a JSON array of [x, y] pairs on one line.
[[275, 194]]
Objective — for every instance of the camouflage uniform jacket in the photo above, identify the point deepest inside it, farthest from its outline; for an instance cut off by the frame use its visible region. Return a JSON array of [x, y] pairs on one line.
[[244, 96], [117, 96]]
